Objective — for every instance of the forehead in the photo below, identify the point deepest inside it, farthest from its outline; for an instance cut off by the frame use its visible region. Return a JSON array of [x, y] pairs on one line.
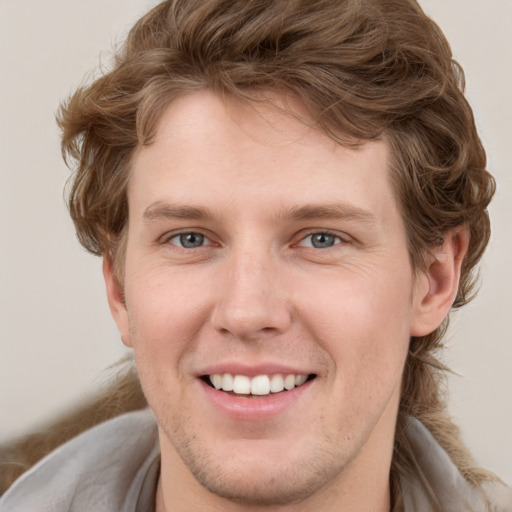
[[222, 153]]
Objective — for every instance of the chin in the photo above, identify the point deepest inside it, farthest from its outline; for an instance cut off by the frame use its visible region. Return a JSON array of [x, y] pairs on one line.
[[252, 487], [265, 479]]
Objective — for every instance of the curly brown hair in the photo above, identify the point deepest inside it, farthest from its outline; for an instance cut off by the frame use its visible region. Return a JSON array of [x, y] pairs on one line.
[[364, 70]]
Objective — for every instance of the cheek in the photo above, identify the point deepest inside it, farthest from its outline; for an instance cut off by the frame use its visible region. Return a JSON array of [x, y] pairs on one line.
[[166, 313], [162, 332], [166, 303], [363, 323]]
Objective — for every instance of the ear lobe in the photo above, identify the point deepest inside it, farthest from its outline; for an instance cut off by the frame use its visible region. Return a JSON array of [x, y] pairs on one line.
[[436, 287], [116, 301]]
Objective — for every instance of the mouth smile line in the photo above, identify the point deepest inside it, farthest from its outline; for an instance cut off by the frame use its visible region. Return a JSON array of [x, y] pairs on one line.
[[259, 385]]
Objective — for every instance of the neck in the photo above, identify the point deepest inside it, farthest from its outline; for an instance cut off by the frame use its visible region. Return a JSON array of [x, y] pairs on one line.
[[216, 504]]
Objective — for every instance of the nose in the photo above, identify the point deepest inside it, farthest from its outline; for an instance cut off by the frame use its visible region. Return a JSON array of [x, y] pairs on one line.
[[252, 302]]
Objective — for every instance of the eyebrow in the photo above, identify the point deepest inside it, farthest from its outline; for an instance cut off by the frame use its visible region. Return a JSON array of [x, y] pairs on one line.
[[161, 210], [334, 211]]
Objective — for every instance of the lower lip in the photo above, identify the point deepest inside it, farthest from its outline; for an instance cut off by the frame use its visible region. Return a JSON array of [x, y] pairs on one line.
[[255, 407]]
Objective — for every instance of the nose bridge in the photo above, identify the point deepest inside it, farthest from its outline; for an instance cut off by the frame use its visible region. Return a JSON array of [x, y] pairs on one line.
[[250, 302]]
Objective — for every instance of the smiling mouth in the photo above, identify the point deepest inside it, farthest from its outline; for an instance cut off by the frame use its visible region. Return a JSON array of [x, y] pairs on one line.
[[261, 385]]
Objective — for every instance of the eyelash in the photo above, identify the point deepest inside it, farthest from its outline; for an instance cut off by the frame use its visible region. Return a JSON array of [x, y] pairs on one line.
[[184, 234], [336, 238], [179, 236]]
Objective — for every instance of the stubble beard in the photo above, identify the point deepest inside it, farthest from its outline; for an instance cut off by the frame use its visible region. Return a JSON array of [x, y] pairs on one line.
[[281, 482]]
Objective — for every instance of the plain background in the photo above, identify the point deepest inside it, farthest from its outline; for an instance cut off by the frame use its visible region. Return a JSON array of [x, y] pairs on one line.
[[56, 335]]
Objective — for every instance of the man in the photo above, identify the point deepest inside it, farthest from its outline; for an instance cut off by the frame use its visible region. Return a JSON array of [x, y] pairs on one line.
[[289, 198]]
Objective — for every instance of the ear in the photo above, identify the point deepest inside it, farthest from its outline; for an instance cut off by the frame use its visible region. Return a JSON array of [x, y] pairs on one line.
[[436, 287], [116, 301]]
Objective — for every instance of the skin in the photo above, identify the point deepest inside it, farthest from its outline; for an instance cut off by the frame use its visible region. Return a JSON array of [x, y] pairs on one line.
[[258, 293]]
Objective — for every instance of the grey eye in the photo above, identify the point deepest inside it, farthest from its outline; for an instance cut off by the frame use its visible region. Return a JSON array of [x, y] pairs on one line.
[[189, 240], [322, 240]]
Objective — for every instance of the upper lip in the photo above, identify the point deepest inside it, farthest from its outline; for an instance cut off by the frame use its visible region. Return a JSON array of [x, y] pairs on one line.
[[251, 370]]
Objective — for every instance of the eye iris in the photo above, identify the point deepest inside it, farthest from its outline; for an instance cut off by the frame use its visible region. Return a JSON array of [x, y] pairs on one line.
[[322, 240], [191, 240]]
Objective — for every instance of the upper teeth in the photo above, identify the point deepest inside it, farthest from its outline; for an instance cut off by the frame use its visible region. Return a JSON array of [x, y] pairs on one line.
[[259, 385]]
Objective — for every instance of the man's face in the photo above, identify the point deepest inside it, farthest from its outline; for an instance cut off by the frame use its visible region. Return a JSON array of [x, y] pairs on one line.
[[259, 250]]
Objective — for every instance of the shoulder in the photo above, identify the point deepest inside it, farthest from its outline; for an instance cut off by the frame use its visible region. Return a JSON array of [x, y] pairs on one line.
[[446, 482], [97, 470]]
